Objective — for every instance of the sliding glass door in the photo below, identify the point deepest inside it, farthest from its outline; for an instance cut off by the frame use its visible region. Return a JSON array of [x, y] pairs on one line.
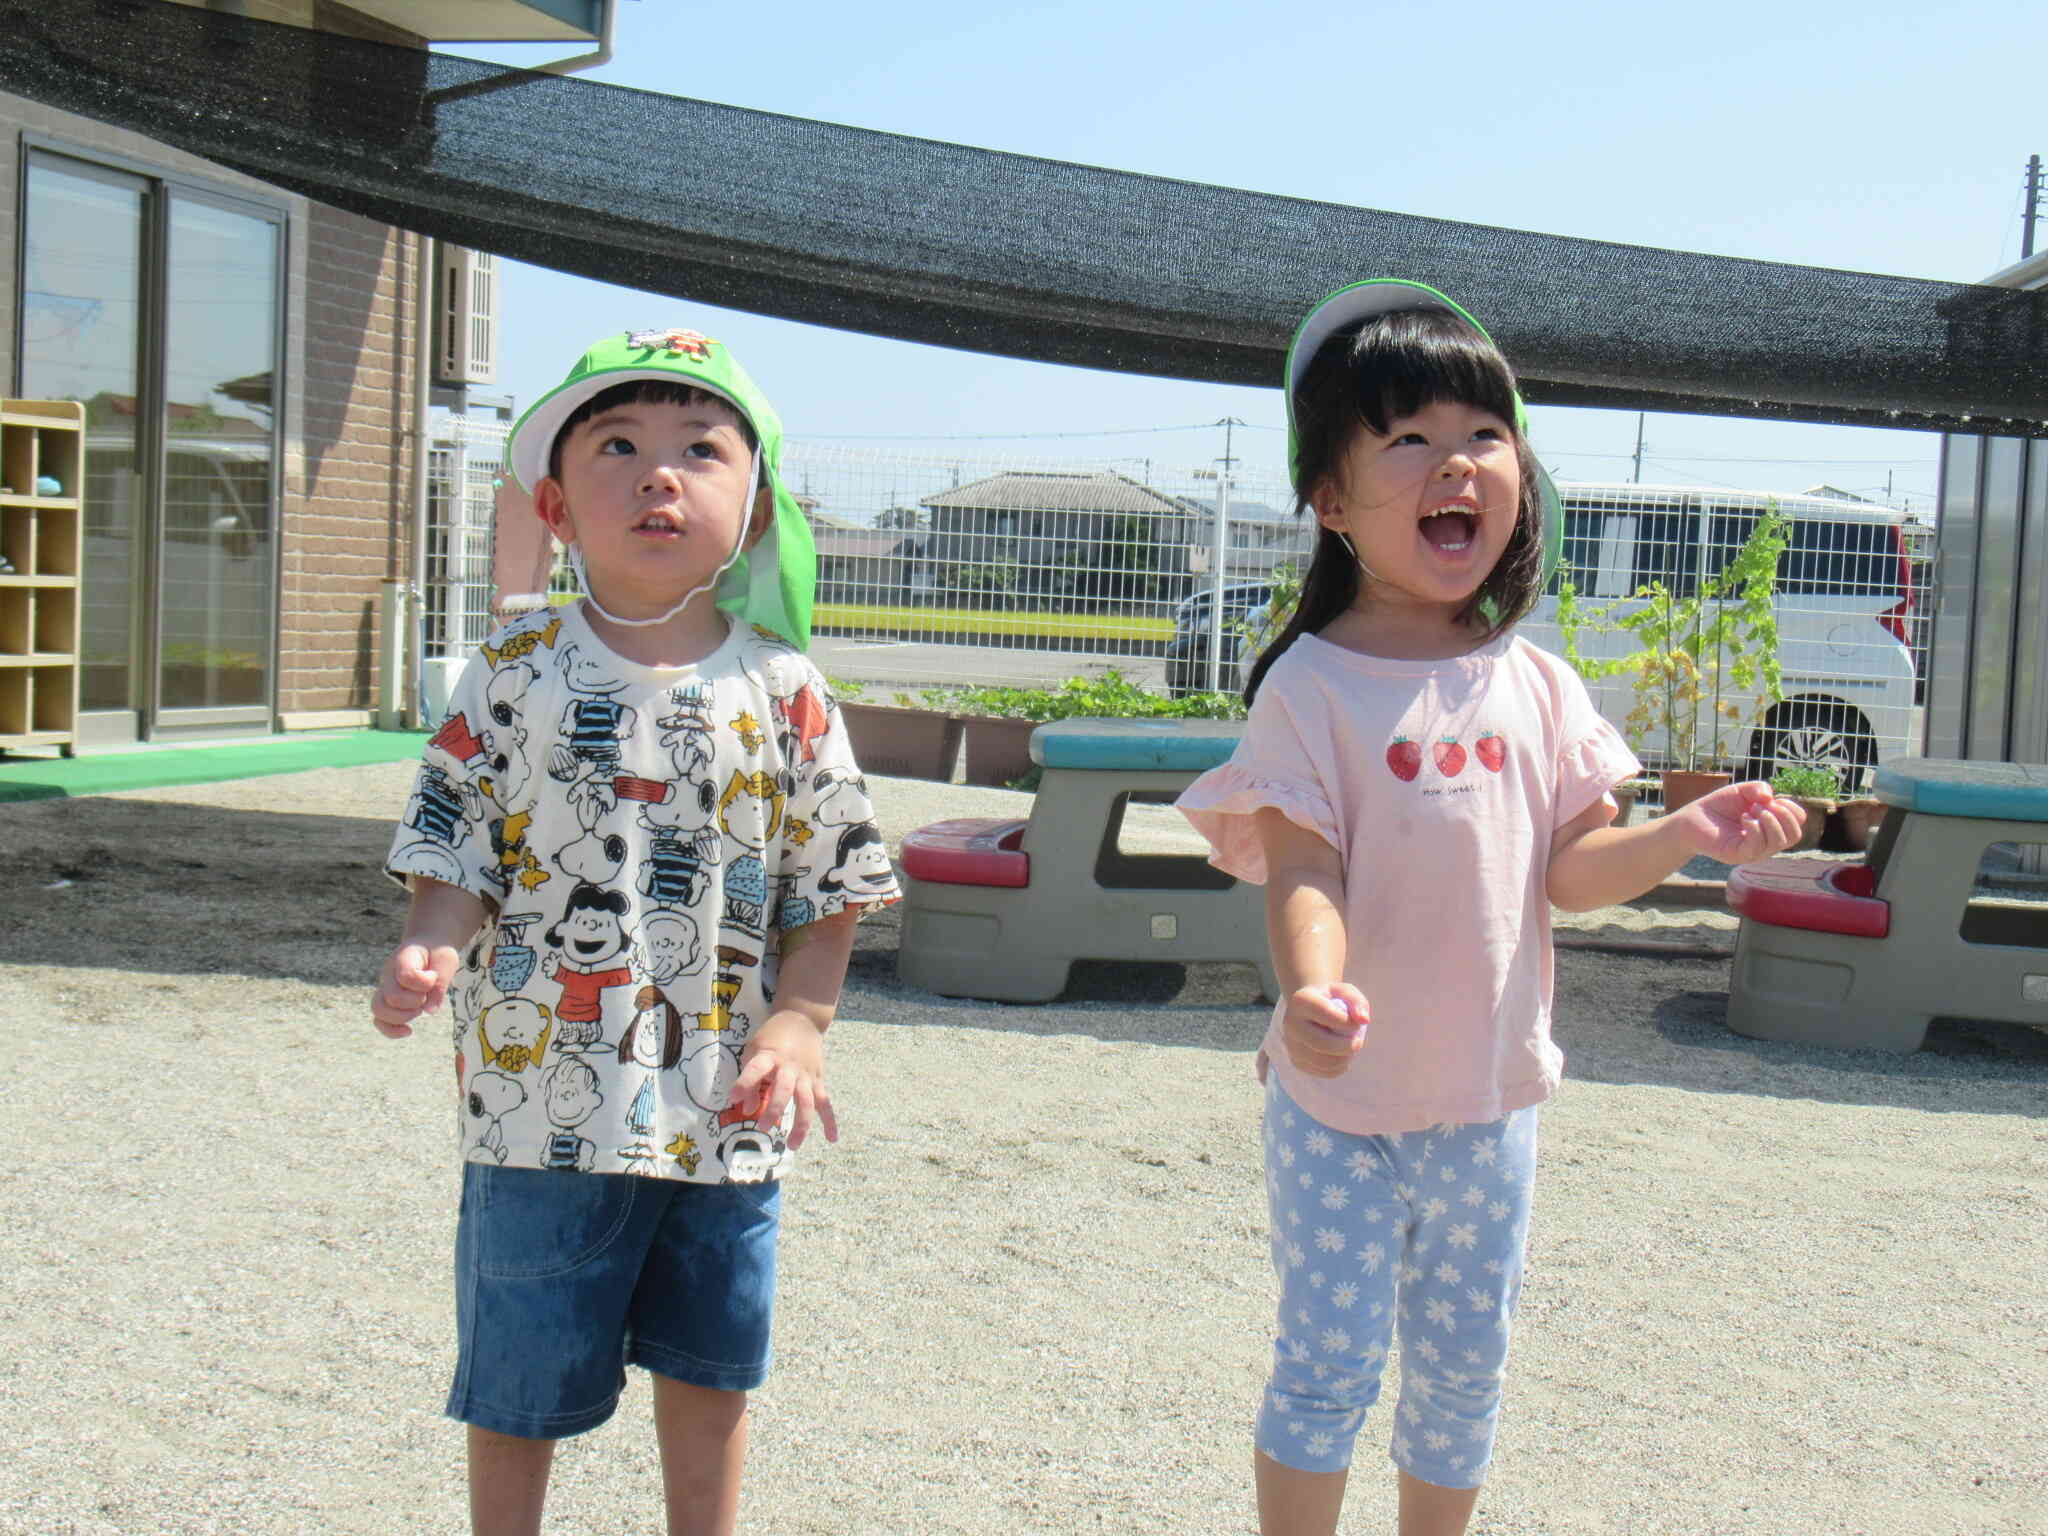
[[158, 305]]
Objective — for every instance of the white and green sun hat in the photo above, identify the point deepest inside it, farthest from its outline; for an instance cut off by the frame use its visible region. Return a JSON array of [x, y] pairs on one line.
[[773, 583], [1357, 302]]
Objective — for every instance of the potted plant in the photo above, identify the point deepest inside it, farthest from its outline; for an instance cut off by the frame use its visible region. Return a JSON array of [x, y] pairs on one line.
[[1817, 791], [1695, 657], [1852, 824], [899, 740]]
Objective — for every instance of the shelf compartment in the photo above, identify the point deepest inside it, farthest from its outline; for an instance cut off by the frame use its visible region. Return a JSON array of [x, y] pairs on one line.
[[15, 690], [53, 704]]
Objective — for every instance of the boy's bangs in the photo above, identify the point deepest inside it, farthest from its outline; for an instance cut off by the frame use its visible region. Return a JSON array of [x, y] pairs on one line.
[[1417, 358]]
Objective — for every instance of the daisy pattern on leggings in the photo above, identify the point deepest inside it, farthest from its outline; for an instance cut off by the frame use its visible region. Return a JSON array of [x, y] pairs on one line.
[[1410, 1241]]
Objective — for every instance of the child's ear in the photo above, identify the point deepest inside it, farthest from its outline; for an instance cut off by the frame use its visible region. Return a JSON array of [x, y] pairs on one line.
[[764, 515], [553, 509], [1328, 505]]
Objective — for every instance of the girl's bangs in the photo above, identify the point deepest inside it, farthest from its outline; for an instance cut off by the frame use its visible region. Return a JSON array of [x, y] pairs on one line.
[[1420, 357]]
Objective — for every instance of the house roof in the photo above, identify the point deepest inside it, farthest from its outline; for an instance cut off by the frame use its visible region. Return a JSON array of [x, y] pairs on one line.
[[845, 543], [1059, 491]]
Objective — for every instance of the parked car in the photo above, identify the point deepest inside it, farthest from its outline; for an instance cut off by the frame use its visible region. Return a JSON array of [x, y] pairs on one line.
[[1187, 654], [1845, 599]]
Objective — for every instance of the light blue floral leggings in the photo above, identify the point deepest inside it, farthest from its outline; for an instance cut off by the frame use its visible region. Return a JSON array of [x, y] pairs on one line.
[[1428, 1226]]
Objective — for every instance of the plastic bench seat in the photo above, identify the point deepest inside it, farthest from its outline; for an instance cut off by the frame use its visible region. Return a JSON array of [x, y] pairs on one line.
[[1816, 894], [1001, 909], [974, 850], [1869, 954]]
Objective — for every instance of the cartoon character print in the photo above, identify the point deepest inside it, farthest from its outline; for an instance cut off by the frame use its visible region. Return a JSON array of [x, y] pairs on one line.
[[588, 953], [726, 984], [750, 1152], [708, 1075], [670, 946], [512, 958], [461, 743], [594, 857], [683, 845], [569, 1092], [442, 808], [515, 859], [595, 726], [801, 720], [655, 1037], [524, 641], [860, 872], [687, 730], [506, 737], [513, 1034], [491, 1097], [840, 798], [750, 812]]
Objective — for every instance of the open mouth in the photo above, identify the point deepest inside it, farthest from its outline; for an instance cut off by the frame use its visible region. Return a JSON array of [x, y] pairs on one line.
[[1451, 530], [659, 522]]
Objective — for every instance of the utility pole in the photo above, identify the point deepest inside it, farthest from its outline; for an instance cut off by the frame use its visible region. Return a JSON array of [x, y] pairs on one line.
[[2032, 206], [1638, 478], [1221, 556]]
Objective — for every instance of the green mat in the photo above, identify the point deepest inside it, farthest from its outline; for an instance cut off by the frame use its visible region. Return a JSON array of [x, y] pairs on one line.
[[159, 767]]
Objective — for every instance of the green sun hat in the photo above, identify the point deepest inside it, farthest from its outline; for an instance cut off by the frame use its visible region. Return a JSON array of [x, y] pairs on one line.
[[1357, 302], [773, 583]]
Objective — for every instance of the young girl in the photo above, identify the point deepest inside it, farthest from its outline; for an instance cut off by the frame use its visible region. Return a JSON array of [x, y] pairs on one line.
[[1416, 788]]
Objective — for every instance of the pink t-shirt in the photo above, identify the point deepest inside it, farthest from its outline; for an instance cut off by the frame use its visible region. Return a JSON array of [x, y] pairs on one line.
[[1439, 783]]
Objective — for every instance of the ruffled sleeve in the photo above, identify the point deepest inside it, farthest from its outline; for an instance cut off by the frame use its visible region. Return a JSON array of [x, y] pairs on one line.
[[1271, 767], [1593, 757]]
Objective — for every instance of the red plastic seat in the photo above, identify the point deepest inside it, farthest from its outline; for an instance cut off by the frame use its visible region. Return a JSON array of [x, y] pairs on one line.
[[972, 850], [1816, 894]]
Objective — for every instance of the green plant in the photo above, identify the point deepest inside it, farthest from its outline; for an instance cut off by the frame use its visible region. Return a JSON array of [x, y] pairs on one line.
[[846, 691], [1286, 584], [1809, 783], [1693, 651], [1110, 696]]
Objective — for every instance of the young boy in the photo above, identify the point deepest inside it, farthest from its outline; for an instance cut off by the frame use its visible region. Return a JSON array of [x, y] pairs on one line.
[[617, 849]]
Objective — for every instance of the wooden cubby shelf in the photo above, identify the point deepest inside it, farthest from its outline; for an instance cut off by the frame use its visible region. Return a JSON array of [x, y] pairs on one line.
[[42, 545]]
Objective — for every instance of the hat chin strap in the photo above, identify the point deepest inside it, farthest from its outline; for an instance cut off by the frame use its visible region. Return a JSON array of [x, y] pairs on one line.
[[1360, 559], [739, 546]]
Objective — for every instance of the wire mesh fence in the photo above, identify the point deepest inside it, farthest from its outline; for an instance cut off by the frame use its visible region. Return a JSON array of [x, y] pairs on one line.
[[998, 568]]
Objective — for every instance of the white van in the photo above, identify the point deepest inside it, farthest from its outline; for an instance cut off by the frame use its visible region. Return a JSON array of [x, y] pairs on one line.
[[1844, 610]]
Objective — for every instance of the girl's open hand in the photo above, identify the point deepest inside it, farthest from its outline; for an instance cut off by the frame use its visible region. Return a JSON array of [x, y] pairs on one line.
[[1324, 1027], [1740, 823]]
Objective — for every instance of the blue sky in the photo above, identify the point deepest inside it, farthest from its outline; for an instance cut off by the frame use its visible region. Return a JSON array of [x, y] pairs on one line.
[[1885, 137]]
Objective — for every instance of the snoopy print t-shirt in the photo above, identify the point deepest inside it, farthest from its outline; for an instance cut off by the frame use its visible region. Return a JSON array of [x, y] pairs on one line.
[[1440, 784], [643, 837]]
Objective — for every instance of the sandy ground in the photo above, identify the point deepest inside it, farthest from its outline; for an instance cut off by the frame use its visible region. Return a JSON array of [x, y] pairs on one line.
[[1771, 1289]]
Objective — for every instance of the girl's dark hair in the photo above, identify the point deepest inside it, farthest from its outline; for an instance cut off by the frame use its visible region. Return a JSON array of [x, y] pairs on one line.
[[1367, 377], [639, 392]]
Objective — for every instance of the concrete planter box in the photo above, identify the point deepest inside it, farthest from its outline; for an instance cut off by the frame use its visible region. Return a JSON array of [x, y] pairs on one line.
[[998, 748], [902, 743]]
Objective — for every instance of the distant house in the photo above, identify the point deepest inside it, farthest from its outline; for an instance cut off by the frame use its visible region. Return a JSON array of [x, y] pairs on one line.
[[1073, 538], [1258, 537], [860, 565]]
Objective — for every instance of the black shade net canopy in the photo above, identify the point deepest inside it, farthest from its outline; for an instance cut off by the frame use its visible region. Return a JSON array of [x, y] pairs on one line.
[[1002, 253]]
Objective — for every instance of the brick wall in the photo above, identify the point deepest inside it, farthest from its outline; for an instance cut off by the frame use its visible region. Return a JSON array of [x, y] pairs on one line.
[[348, 515]]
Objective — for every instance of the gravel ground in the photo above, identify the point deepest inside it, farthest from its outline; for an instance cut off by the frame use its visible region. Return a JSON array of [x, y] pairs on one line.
[[1770, 1290]]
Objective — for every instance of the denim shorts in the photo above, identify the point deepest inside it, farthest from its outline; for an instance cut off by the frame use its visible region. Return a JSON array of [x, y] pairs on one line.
[[561, 1279]]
